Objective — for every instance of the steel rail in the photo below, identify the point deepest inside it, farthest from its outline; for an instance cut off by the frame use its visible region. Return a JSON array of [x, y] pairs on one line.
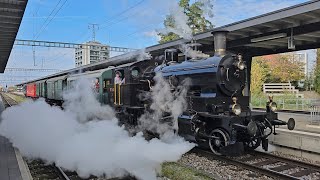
[[289, 161], [239, 163], [65, 176], [8, 100]]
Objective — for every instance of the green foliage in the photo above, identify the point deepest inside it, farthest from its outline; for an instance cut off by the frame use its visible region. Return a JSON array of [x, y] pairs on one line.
[[168, 37], [279, 68], [308, 83], [176, 171], [259, 71], [197, 22], [318, 58], [282, 68], [317, 79], [317, 73]]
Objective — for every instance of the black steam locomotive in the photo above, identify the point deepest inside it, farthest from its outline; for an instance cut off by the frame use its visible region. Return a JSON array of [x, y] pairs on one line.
[[218, 114]]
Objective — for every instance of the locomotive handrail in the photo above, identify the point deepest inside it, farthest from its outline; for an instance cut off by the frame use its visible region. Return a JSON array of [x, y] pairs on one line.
[[119, 93], [115, 93]]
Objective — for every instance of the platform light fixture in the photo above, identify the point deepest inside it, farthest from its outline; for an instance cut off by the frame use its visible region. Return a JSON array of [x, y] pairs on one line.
[[270, 37]]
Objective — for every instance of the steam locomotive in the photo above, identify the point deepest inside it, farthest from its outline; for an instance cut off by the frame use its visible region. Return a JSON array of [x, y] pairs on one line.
[[218, 115]]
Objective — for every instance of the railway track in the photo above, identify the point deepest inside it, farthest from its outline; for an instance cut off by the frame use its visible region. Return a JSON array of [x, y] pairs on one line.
[[267, 164], [7, 100], [40, 170], [63, 174]]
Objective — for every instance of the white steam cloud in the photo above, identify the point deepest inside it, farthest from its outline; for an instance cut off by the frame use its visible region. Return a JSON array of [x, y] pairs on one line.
[[139, 55], [207, 8], [97, 147], [164, 101], [180, 20], [189, 52], [153, 33]]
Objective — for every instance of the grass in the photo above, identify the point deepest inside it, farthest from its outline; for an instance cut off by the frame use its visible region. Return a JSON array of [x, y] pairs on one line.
[[17, 98], [176, 171]]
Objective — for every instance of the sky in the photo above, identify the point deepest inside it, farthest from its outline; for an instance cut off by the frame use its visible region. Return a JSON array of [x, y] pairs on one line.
[[124, 23]]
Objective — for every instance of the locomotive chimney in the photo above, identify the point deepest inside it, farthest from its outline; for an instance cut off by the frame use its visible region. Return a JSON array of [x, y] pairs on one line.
[[220, 39]]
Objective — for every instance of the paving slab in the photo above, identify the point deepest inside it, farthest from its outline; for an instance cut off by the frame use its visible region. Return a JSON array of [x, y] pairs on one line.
[[9, 168]]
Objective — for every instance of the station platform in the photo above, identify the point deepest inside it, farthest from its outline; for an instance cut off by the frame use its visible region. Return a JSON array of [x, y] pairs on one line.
[[303, 141], [9, 167], [12, 165], [302, 122]]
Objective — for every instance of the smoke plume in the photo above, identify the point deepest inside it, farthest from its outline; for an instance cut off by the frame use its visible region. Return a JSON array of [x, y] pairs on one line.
[[98, 147], [207, 8], [164, 100], [189, 52], [180, 21], [139, 55]]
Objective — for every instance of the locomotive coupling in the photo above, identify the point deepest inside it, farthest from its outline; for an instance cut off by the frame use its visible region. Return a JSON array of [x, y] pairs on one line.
[[290, 124]]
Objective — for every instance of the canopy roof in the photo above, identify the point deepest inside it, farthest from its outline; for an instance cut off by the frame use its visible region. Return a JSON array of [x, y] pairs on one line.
[[11, 13]]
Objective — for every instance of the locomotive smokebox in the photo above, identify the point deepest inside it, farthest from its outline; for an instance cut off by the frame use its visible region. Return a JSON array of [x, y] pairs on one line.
[[220, 42]]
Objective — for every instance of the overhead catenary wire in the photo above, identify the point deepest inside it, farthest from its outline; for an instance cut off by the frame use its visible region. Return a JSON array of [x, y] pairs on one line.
[[136, 32], [52, 17], [111, 19], [123, 12], [47, 19]]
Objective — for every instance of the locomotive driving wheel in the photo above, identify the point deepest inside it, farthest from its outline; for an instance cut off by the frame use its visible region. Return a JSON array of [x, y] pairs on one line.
[[252, 144], [217, 143]]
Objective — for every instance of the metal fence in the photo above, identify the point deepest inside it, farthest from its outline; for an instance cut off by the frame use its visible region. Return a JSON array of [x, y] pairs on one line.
[[298, 104], [315, 114], [287, 104]]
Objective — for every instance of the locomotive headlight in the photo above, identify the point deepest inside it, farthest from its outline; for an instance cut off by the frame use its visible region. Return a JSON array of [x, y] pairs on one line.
[[236, 109], [273, 106]]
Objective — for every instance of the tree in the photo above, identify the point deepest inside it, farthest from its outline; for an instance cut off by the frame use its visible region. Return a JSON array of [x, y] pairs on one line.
[[196, 20], [283, 68], [259, 71], [317, 80], [318, 58], [317, 73], [168, 22]]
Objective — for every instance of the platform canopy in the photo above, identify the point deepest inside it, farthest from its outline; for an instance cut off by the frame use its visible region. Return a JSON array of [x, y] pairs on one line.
[[265, 34], [260, 35], [11, 13]]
